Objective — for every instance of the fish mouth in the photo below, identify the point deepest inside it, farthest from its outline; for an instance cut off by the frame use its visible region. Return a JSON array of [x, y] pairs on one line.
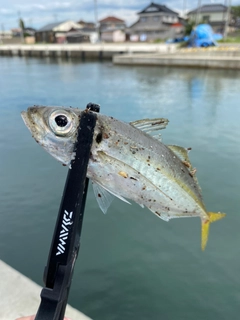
[[31, 123], [24, 115]]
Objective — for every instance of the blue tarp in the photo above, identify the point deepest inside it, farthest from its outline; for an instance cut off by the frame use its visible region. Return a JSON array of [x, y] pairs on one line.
[[203, 36]]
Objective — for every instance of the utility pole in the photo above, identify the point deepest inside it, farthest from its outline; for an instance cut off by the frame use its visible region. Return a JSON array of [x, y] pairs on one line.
[[55, 15], [96, 18], [184, 8], [224, 13], [227, 19], [2, 33], [198, 11]]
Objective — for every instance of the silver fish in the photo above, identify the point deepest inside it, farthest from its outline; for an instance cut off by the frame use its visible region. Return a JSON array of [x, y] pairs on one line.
[[126, 161]]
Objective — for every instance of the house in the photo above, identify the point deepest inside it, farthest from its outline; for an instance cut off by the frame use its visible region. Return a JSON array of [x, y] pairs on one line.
[[56, 32], [29, 35], [82, 35], [156, 21], [112, 29], [29, 32], [213, 14], [6, 34], [111, 23], [16, 32], [76, 37], [84, 24], [113, 36]]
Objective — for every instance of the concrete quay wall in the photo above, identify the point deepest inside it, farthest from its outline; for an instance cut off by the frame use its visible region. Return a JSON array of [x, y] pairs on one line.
[[229, 51], [179, 60], [223, 56], [84, 51], [20, 296]]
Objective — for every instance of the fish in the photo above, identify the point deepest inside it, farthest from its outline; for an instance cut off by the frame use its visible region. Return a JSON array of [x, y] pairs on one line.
[[128, 161]]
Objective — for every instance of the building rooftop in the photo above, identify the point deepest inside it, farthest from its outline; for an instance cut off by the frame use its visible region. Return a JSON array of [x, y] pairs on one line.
[[210, 8], [155, 7], [88, 24], [111, 19], [50, 26]]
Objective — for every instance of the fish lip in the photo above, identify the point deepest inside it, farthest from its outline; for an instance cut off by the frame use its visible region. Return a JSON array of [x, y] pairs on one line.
[[24, 115], [27, 119]]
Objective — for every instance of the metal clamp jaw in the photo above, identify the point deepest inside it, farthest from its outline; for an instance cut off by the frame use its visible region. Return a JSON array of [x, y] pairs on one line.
[[66, 239]]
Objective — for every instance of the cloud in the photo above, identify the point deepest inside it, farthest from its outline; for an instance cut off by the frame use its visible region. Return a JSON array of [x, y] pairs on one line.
[[39, 6], [41, 12], [5, 11], [48, 6]]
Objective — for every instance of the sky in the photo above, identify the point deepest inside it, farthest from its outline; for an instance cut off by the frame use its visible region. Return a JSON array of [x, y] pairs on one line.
[[37, 13]]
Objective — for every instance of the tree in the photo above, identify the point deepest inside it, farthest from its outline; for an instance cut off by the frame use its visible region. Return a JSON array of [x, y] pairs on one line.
[[21, 24], [22, 27], [188, 27], [235, 10]]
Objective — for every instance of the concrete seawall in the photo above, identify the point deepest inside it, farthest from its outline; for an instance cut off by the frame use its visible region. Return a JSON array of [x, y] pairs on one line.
[[84, 51], [179, 59], [20, 296], [224, 56]]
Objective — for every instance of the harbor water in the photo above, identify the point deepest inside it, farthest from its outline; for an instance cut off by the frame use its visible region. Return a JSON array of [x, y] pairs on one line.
[[131, 264]]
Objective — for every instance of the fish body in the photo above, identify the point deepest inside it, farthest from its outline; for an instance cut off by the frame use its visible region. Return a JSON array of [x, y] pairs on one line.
[[126, 162]]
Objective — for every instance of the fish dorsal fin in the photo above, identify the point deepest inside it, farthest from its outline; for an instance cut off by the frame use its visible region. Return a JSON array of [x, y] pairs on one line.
[[151, 125], [105, 197], [182, 154]]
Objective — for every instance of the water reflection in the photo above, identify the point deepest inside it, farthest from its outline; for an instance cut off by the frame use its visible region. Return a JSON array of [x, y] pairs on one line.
[[131, 264]]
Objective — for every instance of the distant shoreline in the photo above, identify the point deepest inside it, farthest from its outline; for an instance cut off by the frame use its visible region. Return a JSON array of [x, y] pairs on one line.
[[84, 50], [224, 56]]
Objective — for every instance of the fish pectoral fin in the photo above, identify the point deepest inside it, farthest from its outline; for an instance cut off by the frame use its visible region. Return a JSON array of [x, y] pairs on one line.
[[104, 196], [151, 125], [206, 224], [120, 197]]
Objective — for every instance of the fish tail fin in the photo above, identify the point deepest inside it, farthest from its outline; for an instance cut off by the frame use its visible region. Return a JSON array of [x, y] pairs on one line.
[[212, 216]]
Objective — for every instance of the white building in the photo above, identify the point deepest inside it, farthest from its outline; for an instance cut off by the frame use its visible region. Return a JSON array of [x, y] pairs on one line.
[[155, 22], [213, 14], [56, 32]]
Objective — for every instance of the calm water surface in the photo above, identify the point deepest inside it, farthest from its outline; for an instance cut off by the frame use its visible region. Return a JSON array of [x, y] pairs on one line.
[[131, 265]]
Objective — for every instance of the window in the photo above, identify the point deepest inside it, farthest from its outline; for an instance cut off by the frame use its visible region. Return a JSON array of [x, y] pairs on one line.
[[151, 9], [206, 19], [155, 18], [143, 19], [165, 18]]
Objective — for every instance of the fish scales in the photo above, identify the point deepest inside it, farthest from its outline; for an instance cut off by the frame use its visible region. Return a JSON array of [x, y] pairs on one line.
[[126, 162], [145, 146], [146, 160], [132, 182]]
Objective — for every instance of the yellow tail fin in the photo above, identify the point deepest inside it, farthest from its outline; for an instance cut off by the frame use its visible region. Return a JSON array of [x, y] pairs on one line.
[[212, 216]]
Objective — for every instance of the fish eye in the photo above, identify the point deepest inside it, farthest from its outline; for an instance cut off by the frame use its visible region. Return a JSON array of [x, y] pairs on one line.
[[61, 122]]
